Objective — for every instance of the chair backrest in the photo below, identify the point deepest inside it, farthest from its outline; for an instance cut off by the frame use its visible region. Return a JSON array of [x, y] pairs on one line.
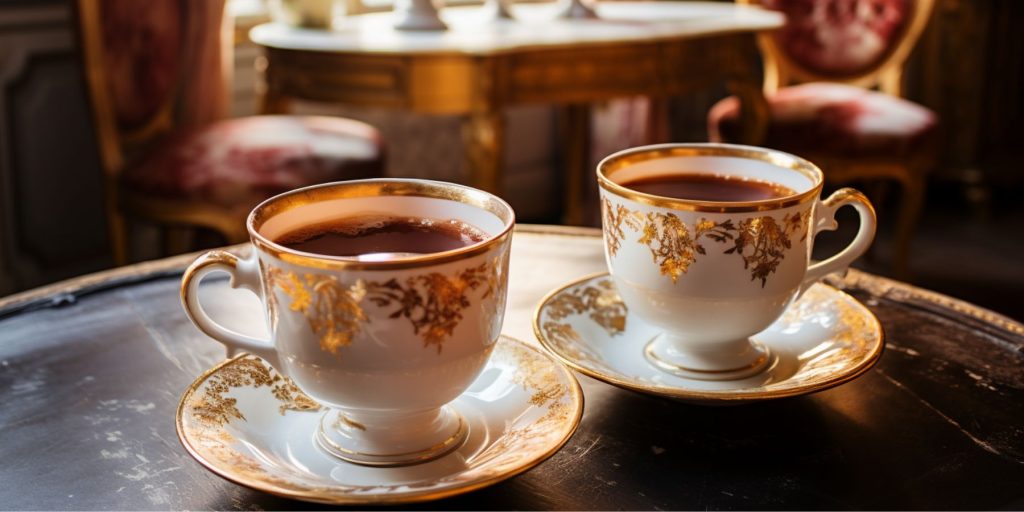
[[152, 66], [858, 42]]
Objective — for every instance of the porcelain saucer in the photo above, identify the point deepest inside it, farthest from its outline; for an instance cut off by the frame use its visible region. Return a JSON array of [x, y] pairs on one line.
[[246, 423], [824, 339]]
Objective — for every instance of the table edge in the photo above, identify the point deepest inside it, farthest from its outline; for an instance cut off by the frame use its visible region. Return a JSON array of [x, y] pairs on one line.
[[751, 28], [67, 290]]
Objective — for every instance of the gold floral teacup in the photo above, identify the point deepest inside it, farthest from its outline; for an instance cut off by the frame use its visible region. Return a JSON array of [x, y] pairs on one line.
[[710, 273], [385, 344]]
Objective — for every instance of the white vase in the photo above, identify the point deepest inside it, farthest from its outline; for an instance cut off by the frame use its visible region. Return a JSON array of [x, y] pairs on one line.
[[417, 15], [495, 10]]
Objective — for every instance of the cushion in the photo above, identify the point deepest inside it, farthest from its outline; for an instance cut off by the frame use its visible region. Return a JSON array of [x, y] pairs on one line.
[[834, 119], [243, 161], [840, 37]]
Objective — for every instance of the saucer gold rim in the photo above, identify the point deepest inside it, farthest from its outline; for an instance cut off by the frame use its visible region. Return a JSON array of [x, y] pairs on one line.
[[713, 396], [575, 392]]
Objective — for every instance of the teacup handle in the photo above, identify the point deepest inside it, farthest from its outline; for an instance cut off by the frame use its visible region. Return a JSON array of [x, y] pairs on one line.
[[244, 274], [825, 220]]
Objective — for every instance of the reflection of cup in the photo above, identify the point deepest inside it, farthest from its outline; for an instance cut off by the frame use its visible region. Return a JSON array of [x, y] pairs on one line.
[[711, 274], [304, 13], [384, 344]]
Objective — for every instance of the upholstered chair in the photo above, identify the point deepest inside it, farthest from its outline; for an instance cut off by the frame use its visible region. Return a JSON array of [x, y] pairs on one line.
[[833, 81], [158, 74]]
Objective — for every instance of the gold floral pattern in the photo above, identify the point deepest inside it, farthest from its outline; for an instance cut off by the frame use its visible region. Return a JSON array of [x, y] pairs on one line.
[[537, 428], [570, 343], [549, 391], [332, 310], [841, 340], [433, 302], [546, 386], [602, 302], [215, 408], [212, 411], [760, 241], [613, 219]]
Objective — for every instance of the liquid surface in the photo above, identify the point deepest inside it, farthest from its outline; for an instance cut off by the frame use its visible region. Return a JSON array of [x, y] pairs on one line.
[[382, 238], [708, 187]]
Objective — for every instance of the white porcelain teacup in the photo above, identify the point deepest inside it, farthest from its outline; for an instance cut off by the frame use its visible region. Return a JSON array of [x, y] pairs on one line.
[[711, 274], [385, 345]]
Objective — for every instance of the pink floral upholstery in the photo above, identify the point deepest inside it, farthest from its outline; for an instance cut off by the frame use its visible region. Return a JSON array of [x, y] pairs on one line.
[[840, 37], [837, 119], [239, 162]]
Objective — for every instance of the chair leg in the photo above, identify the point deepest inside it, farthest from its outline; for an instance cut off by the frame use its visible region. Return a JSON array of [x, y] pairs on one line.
[[117, 231], [910, 210]]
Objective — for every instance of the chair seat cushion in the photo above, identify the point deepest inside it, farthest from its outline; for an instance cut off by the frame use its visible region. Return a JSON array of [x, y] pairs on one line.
[[239, 162], [834, 119]]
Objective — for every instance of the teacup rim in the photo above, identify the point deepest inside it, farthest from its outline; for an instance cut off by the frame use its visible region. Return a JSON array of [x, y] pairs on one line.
[[409, 187], [775, 157]]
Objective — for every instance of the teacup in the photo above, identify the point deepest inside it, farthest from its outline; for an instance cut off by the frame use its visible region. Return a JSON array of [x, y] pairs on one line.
[[383, 344], [711, 274]]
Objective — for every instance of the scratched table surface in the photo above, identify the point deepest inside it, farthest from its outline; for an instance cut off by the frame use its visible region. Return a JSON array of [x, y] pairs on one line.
[[91, 371]]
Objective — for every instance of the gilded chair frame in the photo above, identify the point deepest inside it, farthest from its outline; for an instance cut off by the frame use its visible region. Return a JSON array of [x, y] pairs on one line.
[[117, 146], [886, 75]]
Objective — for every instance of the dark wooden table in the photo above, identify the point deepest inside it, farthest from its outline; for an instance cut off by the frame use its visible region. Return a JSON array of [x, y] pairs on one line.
[[91, 371]]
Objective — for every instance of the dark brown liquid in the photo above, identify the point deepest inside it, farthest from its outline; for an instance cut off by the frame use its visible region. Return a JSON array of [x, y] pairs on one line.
[[381, 238], [708, 187]]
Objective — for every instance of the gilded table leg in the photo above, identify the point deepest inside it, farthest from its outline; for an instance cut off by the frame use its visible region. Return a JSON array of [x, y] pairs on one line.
[[270, 97], [575, 162], [753, 111], [483, 135], [744, 82], [117, 227], [273, 103], [659, 121]]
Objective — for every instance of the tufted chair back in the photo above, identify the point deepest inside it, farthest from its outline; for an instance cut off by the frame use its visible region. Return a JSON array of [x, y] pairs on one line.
[[858, 42]]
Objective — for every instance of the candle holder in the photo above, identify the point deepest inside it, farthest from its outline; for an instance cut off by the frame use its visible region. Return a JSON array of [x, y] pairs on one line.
[[575, 9]]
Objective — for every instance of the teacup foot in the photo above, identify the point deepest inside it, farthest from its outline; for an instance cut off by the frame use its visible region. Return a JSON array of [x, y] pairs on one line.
[[731, 361], [387, 440]]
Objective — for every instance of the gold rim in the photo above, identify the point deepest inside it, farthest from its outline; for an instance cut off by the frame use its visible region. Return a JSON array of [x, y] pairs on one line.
[[617, 161], [376, 188], [412, 497], [713, 396]]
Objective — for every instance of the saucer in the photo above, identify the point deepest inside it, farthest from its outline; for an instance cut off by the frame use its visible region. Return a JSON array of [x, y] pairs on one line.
[[824, 339], [246, 423]]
